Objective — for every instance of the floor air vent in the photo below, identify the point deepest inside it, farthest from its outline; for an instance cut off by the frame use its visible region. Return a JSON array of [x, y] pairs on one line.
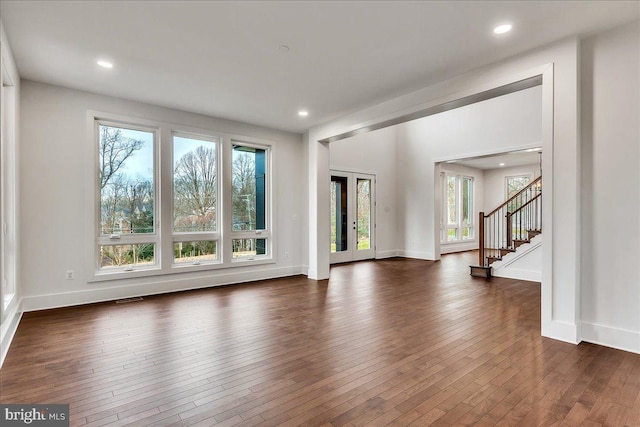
[[127, 300]]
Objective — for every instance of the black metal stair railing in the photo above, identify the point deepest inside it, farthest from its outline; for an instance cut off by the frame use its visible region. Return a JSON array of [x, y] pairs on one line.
[[512, 223]]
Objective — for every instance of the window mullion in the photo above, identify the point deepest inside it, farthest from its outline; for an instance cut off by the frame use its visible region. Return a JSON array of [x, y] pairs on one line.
[[165, 191], [458, 207], [226, 213]]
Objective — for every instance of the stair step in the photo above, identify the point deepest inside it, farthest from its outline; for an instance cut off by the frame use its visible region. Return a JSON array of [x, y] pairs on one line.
[[480, 271], [492, 259], [533, 233], [506, 251], [519, 242]]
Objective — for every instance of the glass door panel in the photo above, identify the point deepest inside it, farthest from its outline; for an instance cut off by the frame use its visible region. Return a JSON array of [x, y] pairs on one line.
[[339, 224], [363, 212]]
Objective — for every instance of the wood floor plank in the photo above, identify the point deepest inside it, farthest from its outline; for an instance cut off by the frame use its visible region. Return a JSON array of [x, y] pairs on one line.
[[390, 342]]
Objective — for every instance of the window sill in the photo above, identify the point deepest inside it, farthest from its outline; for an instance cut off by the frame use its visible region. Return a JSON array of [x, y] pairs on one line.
[[99, 277]]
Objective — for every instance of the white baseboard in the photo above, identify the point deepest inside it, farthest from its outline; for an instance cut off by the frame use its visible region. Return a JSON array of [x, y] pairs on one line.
[[622, 339], [519, 274], [417, 255], [450, 248], [66, 299], [386, 254], [8, 329], [560, 331]]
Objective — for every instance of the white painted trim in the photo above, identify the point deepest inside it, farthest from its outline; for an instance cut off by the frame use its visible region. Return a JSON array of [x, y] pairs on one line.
[[562, 331], [548, 326], [453, 247], [417, 255], [387, 254], [485, 153], [8, 330], [622, 339], [67, 299]]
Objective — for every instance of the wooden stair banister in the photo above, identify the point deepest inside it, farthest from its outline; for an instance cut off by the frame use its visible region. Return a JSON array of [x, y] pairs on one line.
[[515, 196], [481, 238]]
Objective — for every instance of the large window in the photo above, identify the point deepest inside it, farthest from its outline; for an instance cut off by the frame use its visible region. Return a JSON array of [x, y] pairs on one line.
[[127, 236], [513, 184], [457, 215], [168, 213], [249, 199], [195, 200]]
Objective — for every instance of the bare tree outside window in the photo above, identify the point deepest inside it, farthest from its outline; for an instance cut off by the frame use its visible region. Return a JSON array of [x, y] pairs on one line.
[[126, 182], [195, 187]]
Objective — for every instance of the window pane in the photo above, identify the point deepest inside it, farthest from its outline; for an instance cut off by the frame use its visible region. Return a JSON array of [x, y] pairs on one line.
[[249, 174], [452, 217], [195, 185], [119, 256], [126, 180], [467, 233], [339, 227], [467, 198], [195, 252], [452, 234], [363, 213], [243, 248], [515, 184]]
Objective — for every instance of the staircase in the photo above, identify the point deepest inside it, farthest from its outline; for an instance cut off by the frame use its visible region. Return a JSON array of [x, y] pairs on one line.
[[515, 222]]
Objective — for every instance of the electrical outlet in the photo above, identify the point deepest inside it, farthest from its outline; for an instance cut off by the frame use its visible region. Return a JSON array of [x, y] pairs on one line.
[[71, 275], [286, 255]]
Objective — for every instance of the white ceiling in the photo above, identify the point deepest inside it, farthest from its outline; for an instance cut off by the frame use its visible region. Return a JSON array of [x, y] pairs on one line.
[[512, 159], [221, 58]]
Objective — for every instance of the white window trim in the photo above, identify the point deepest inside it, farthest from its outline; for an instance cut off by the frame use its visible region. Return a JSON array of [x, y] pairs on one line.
[[8, 214], [163, 202]]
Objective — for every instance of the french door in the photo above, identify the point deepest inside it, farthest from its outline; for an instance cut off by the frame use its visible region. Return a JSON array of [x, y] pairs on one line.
[[352, 216]]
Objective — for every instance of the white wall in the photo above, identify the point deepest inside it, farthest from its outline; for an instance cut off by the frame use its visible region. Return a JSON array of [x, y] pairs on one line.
[[374, 153], [478, 194], [54, 199], [10, 153], [525, 264], [558, 65], [493, 126], [495, 183], [610, 208]]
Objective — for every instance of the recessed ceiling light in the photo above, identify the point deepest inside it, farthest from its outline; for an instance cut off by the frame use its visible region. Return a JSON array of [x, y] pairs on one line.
[[501, 29], [283, 48], [303, 113], [105, 64], [501, 164]]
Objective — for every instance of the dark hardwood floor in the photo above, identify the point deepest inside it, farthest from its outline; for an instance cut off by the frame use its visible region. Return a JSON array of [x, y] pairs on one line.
[[392, 342]]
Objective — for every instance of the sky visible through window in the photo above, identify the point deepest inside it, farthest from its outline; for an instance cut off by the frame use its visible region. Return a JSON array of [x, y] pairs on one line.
[[137, 166]]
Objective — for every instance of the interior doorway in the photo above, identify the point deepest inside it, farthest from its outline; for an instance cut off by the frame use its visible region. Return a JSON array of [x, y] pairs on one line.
[[352, 216]]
